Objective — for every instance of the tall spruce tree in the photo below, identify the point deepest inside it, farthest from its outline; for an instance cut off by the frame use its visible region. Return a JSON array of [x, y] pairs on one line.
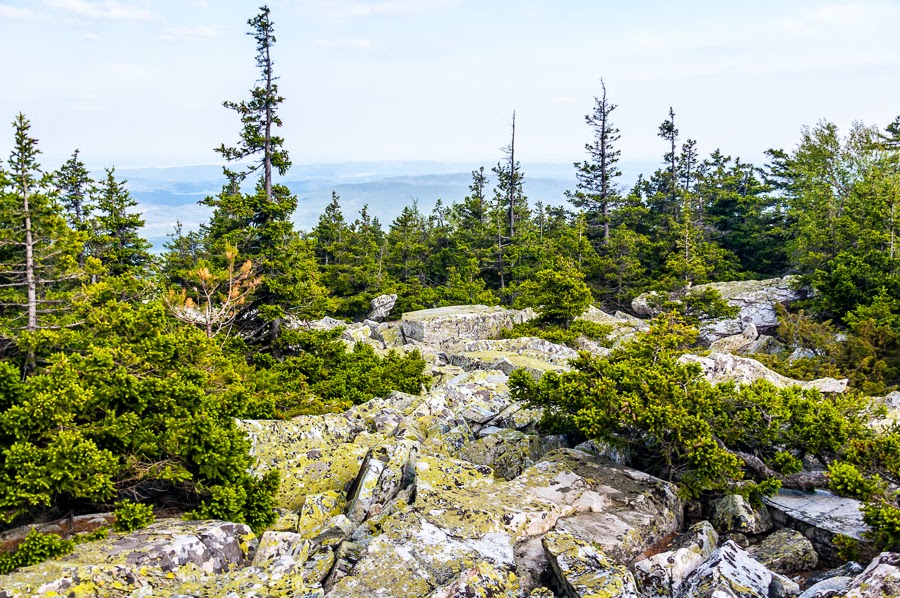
[[117, 241], [38, 252], [596, 176], [259, 224], [73, 183]]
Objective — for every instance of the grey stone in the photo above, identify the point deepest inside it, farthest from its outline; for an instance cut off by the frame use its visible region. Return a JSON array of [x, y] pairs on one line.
[[785, 551], [583, 570], [820, 516], [850, 569], [381, 306], [463, 322], [660, 575], [724, 367], [833, 587], [881, 579], [731, 573], [734, 513], [737, 343]]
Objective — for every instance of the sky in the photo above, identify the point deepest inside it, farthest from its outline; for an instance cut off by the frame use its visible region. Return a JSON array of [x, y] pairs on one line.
[[138, 83]]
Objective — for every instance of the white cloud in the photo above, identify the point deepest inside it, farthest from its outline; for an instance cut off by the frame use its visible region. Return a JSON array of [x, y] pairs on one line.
[[344, 44], [91, 37], [340, 11], [14, 12], [107, 9], [189, 33]]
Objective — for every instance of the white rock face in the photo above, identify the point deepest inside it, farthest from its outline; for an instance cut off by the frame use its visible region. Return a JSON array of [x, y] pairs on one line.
[[737, 343], [381, 306], [729, 573], [881, 579], [724, 367], [463, 322], [660, 575]]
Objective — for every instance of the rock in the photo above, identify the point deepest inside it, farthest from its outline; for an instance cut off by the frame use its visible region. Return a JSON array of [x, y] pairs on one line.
[[766, 345], [463, 322], [881, 579], [785, 551], [163, 554], [782, 587], [755, 299], [850, 569], [606, 450], [737, 343], [734, 513], [532, 565], [535, 355], [833, 587], [274, 545], [381, 307], [731, 573], [481, 580], [738, 538], [583, 569], [509, 452], [385, 470], [660, 575], [723, 367], [820, 516]]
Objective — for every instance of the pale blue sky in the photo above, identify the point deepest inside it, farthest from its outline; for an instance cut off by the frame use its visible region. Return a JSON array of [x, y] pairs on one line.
[[140, 82]]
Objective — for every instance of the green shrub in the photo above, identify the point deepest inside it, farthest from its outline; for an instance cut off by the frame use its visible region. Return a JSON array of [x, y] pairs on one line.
[[845, 479], [679, 426], [131, 516], [36, 548], [784, 462]]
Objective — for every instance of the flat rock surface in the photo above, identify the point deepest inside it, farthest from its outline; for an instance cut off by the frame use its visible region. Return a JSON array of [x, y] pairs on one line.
[[819, 516]]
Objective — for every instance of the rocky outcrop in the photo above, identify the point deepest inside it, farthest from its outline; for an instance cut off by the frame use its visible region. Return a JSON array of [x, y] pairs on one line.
[[724, 367], [755, 300], [820, 516], [381, 306], [166, 554], [465, 322]]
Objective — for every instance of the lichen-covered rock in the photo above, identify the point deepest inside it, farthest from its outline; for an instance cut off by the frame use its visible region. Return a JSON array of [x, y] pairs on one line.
[[585, 571], [764, 344], [734, 513], [452, 324], [159, 556], [660, 575], [737, 343], [724, 367], [849, 569], [820, 516], [386, 469], [509, 452], [380, 307], [880, 579], [833, 587], [730, 573], [533, 354], [481, 581], [785, 551]]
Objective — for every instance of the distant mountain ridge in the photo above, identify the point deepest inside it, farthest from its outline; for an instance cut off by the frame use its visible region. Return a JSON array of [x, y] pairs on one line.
[[167, 195]]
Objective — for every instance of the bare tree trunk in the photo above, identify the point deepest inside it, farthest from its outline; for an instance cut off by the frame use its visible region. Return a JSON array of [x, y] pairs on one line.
[[267, 158], [806, 480], [604, 182], [511, 192]]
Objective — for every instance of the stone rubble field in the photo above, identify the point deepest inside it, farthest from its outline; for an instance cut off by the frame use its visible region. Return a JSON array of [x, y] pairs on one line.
[[454, 494]]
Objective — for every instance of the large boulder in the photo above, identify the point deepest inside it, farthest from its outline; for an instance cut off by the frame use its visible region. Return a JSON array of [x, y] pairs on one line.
[[724, 367], [444, 325], [820, 516], [381, 306]]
